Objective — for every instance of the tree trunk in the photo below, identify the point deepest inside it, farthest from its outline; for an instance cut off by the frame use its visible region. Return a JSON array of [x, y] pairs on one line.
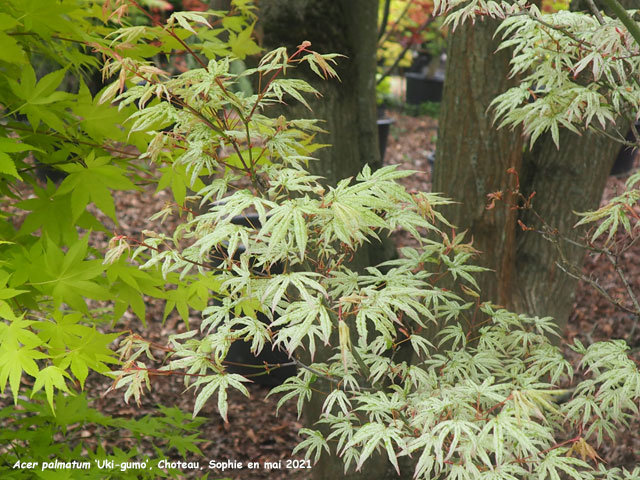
[[472, 157], [472, 161], [348, 110], [567, 180], [347, 106]]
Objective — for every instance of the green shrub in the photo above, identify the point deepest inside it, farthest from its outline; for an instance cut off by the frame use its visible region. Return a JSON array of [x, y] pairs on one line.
[[52, 333]]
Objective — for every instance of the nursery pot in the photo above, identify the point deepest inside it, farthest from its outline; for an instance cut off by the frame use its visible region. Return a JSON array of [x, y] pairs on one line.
[[626, 156], [421, 89], [240, 358], [384, 126], [420, 63]]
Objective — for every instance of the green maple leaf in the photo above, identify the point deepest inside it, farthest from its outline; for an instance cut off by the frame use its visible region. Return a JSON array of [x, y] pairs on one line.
[[92, 352], [52, 214], [46, 17], [76, 346], [61, 331], [50, 377], [100, 120], [185, 444], [242, 44], [177, 179], [10, 145], [72, 410], [66, 277], [18, 333], [194, 294], [13, 361], [40, 97], [93, 183], [128, 284]]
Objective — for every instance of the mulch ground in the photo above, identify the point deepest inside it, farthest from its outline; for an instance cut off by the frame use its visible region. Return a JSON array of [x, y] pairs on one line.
[[254, 433]]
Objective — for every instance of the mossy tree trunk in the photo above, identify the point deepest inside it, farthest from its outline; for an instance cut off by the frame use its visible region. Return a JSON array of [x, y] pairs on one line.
[[472, 162], [348, 110]]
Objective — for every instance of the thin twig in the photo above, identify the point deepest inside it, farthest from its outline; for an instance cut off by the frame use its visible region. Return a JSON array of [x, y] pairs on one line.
[[72, 140], [395, 24], [562, 30], [623, 16], [595, 11], [172, 33], [388, 71], [632, 296], [619, 140], [596, 287], [385, 19]]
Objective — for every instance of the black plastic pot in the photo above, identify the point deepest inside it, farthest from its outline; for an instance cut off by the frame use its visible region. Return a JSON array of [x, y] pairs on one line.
[[624, 161], [420, 63], [384, 127], [240, 358], [626, 156], [421, 89]]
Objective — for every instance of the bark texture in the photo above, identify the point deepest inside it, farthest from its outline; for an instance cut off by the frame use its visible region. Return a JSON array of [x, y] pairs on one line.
[[347, 106], [472, 161], [472, 157], [567, 180]]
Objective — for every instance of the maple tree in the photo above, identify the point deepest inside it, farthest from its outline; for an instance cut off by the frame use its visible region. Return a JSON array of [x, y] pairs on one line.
[[479, 401]]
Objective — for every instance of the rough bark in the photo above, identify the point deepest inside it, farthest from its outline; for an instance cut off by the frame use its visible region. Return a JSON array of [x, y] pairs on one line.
[[347, 106], [567, 180], [472, 157], [348, 110], [472, 161]]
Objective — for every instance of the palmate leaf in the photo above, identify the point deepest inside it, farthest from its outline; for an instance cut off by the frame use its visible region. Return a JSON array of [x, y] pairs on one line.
[[183, 19], [211, 383], [61, 330], [51, 213], [93, 183], [18, 333], [294, 387], [128, 284], [76, 346], [176, 178], [191, 292], [338, 397], [14, 361], [39, 99], [373, 436], [66, 277], [50, 377], [91, 352], [293, 87], [242, 44], [7, 164], [100, 121], [136, 377], [557, 464], [314, 442]]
